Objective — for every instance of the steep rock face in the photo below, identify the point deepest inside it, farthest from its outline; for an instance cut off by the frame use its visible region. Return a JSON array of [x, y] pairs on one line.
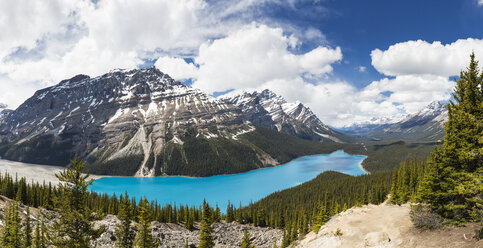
[[4, 111], [137, 122], [272, 111], [426, 124]]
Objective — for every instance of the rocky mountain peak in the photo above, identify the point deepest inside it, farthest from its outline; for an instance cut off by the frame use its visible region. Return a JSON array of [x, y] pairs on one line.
[[270, 110], [133, 114]]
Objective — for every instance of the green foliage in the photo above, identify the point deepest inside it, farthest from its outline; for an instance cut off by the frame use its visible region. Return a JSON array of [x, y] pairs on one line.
[[206, 238], [40, 234], [41, 149], [407, 180], [246, 242], [27, 230], [388, 156], [73, 227], [454, 181], [124, 234], [126, 166], [144, 237], [12, 236]]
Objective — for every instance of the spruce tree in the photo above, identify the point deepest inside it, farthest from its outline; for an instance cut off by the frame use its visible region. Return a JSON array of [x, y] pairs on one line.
[[206, 239], [73, 227], [27, 229], [12, 236], [246, 242], [144, 237], [125, 235], [321, 218], [37, 239], [454, 182]]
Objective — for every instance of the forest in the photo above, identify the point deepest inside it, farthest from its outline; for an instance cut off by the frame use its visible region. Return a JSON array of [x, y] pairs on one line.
[[448, 183]]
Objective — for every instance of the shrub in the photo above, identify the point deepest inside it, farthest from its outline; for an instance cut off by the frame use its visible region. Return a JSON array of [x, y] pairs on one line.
[[424, 218]]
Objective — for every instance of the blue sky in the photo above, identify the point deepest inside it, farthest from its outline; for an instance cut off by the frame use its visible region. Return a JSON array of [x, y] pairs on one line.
[[348, 60]]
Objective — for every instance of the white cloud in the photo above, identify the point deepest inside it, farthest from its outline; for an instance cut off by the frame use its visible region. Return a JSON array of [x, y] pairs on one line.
[[480, 2], [421, 57], [254, 55], [362, 68], [176, 68]]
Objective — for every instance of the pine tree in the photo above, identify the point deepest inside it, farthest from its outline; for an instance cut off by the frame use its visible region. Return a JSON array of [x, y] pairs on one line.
[[125, 236], [144, 238], [188, 219], [285, 239], [11, 237], [321, 218], [454, 182], [73, 227], [27, 229], [246, 242], [217, 214], [206, 239], [37, 239], [40, 240]]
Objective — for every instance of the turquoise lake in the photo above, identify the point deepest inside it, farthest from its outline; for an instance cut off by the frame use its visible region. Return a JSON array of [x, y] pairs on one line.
[[243, 187]]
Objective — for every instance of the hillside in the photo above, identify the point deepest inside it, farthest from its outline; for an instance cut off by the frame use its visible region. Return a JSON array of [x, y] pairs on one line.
[[384, 226], [424, 125], [144, 123], [270, 110]]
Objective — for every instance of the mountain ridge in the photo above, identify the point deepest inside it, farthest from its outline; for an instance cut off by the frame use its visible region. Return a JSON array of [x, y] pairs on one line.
[[142, 123], [272, 111]]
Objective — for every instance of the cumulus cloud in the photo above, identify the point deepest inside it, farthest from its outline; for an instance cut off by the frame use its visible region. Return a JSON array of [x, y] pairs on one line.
[[421, 57], [254, 55], [176, 68]]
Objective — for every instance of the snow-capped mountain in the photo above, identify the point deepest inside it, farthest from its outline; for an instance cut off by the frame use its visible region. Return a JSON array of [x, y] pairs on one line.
[[4, 111], [136, 122], [365, 127], [272, 111], [426, 124]]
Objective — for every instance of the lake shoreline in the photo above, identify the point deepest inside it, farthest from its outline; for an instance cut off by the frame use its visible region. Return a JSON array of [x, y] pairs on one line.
[[46, 173]]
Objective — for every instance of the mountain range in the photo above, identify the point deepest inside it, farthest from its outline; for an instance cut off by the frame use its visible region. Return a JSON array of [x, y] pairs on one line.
[[141, 122], [424, 125], [144, 123], [269, 110]]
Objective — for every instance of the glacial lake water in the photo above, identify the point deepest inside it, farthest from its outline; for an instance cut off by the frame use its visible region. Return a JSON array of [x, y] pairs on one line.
[[236, 188]]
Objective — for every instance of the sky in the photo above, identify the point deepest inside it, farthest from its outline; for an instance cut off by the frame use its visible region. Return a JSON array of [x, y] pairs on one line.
[[348, 60]]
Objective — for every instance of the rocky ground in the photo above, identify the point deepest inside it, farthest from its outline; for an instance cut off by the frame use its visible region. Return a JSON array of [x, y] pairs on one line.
[[386, 226], [175, 235]]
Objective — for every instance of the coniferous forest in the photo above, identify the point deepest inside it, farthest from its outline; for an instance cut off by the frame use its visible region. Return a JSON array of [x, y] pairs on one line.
[[450, 182]]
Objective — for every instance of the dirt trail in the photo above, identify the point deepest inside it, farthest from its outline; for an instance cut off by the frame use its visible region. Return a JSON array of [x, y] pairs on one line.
[[385, 225]]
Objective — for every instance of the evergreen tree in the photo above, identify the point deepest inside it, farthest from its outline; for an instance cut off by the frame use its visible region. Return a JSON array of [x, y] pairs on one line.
[[454, 182], [246, 243], [40, 240], [11, 237], [73, 227], [321, 218], [27, 229], [144, 237], [125, 236], [206, 239], [217, 214], [188, 219], [285, 239], [37, 239]]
